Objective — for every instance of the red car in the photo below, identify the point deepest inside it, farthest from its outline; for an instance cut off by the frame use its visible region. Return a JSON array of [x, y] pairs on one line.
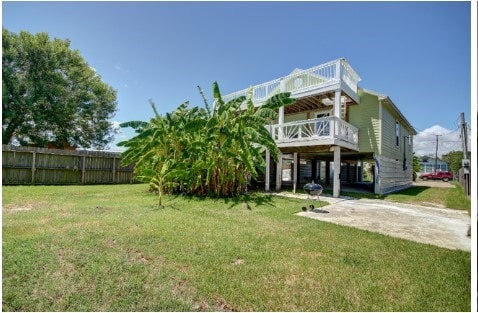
[[445, 176]]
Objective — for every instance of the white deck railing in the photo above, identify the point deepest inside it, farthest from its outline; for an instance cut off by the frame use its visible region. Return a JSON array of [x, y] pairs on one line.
[[303, 80], [315, 129]]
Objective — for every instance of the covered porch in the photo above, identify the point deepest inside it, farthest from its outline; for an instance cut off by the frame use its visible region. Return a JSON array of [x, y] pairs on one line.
[[352, 171]]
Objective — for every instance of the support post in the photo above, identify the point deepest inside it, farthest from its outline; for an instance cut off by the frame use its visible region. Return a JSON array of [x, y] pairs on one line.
[[327, 172], [336, 192], [268, 171], [296, 171], [279, 173], [337, 103], [348, 173], [281, 122], [314, 172], [360, 173], [357, 171]]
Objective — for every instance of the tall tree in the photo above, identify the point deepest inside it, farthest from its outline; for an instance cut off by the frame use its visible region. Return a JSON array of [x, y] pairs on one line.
[[51, 95]]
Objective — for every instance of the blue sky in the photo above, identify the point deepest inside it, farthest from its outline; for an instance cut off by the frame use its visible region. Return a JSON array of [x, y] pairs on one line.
[[418, 53]]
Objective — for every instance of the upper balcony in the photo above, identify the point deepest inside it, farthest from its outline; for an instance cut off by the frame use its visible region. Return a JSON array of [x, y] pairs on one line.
[[321, 79]]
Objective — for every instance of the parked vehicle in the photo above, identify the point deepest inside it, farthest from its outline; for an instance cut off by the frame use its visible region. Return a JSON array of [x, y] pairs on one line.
[[445, 176]]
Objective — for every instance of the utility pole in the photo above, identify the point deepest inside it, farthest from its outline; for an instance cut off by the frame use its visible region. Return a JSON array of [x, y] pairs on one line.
[[436, 154], [464, 135], [466, 160]]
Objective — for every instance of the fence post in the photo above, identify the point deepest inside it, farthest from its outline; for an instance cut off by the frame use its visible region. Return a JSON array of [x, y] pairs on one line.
[[83, 164], [33, 166], [114, 169]]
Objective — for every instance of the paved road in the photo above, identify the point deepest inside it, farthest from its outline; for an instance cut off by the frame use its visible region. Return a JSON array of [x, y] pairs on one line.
[[437, 226]]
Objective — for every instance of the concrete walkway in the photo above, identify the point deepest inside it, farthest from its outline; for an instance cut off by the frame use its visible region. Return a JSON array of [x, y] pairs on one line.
[[445, 228]]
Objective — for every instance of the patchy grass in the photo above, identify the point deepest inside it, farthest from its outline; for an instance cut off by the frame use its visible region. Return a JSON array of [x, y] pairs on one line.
[[108, 248], [452, 198]]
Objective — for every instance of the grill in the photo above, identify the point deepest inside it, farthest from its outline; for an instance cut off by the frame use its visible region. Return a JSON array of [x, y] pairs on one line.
[[312, 190]]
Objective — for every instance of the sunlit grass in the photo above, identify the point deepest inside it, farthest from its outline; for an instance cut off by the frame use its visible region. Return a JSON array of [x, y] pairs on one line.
[[109, 248], [452, 198]]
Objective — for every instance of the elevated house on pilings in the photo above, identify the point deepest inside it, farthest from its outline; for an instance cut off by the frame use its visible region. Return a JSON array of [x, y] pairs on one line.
[[336, 133]]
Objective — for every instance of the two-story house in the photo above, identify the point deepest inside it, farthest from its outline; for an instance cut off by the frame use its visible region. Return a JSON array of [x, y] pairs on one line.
[[333, 129]]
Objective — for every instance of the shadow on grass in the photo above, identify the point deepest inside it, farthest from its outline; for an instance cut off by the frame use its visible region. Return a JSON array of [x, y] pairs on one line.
[[255, 198], [413, 191]]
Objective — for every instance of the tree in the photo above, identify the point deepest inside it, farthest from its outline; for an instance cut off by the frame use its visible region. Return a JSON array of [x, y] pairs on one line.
[[204, 151], [453, 159], [416, 166], [51, 95]]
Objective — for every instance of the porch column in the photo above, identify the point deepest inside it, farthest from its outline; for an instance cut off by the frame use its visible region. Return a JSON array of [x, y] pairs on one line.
[[268, 171], [314, 172], [360, 173], [349, 176], [357, 170], [337, 103], [281, 121], [336, 192], [279, 173], [327, 172], [296, 171]]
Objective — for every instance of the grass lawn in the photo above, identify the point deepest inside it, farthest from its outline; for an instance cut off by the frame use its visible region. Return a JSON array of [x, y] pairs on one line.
[[453, 198], [108, 248]]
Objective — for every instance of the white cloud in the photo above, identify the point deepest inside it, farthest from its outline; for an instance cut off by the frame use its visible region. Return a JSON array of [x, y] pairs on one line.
[[116, 127], [424, 143]]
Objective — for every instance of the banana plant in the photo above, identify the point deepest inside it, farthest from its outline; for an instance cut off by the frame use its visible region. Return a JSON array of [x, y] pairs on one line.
[[211, 151]]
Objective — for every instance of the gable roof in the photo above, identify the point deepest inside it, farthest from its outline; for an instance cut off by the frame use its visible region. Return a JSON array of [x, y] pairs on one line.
[[389, 101]]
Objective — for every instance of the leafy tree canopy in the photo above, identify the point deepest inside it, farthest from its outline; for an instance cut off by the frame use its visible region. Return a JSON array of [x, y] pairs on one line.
[[51, 95], [454, 160]]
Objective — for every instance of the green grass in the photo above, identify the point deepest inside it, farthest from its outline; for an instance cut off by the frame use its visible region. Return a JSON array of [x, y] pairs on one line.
[[108, 248], [452, 198]]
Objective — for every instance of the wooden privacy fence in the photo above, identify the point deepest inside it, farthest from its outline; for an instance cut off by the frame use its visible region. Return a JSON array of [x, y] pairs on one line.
[[30, 165]]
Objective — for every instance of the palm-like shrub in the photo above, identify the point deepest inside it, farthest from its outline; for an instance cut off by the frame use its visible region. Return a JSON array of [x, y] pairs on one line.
[[204, 151]]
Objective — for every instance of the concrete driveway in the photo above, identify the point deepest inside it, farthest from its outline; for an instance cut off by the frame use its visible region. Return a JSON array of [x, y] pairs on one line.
[[437, 226]]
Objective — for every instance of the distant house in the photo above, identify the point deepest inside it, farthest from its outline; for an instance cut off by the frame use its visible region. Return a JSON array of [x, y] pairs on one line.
[[427, 165], [335, 131]]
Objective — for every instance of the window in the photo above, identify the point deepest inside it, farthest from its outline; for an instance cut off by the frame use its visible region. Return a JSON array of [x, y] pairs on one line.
[[397, 132]]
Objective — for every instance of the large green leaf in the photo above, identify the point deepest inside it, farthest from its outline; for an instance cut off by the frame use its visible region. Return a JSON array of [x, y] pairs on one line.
[[134, 124]]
